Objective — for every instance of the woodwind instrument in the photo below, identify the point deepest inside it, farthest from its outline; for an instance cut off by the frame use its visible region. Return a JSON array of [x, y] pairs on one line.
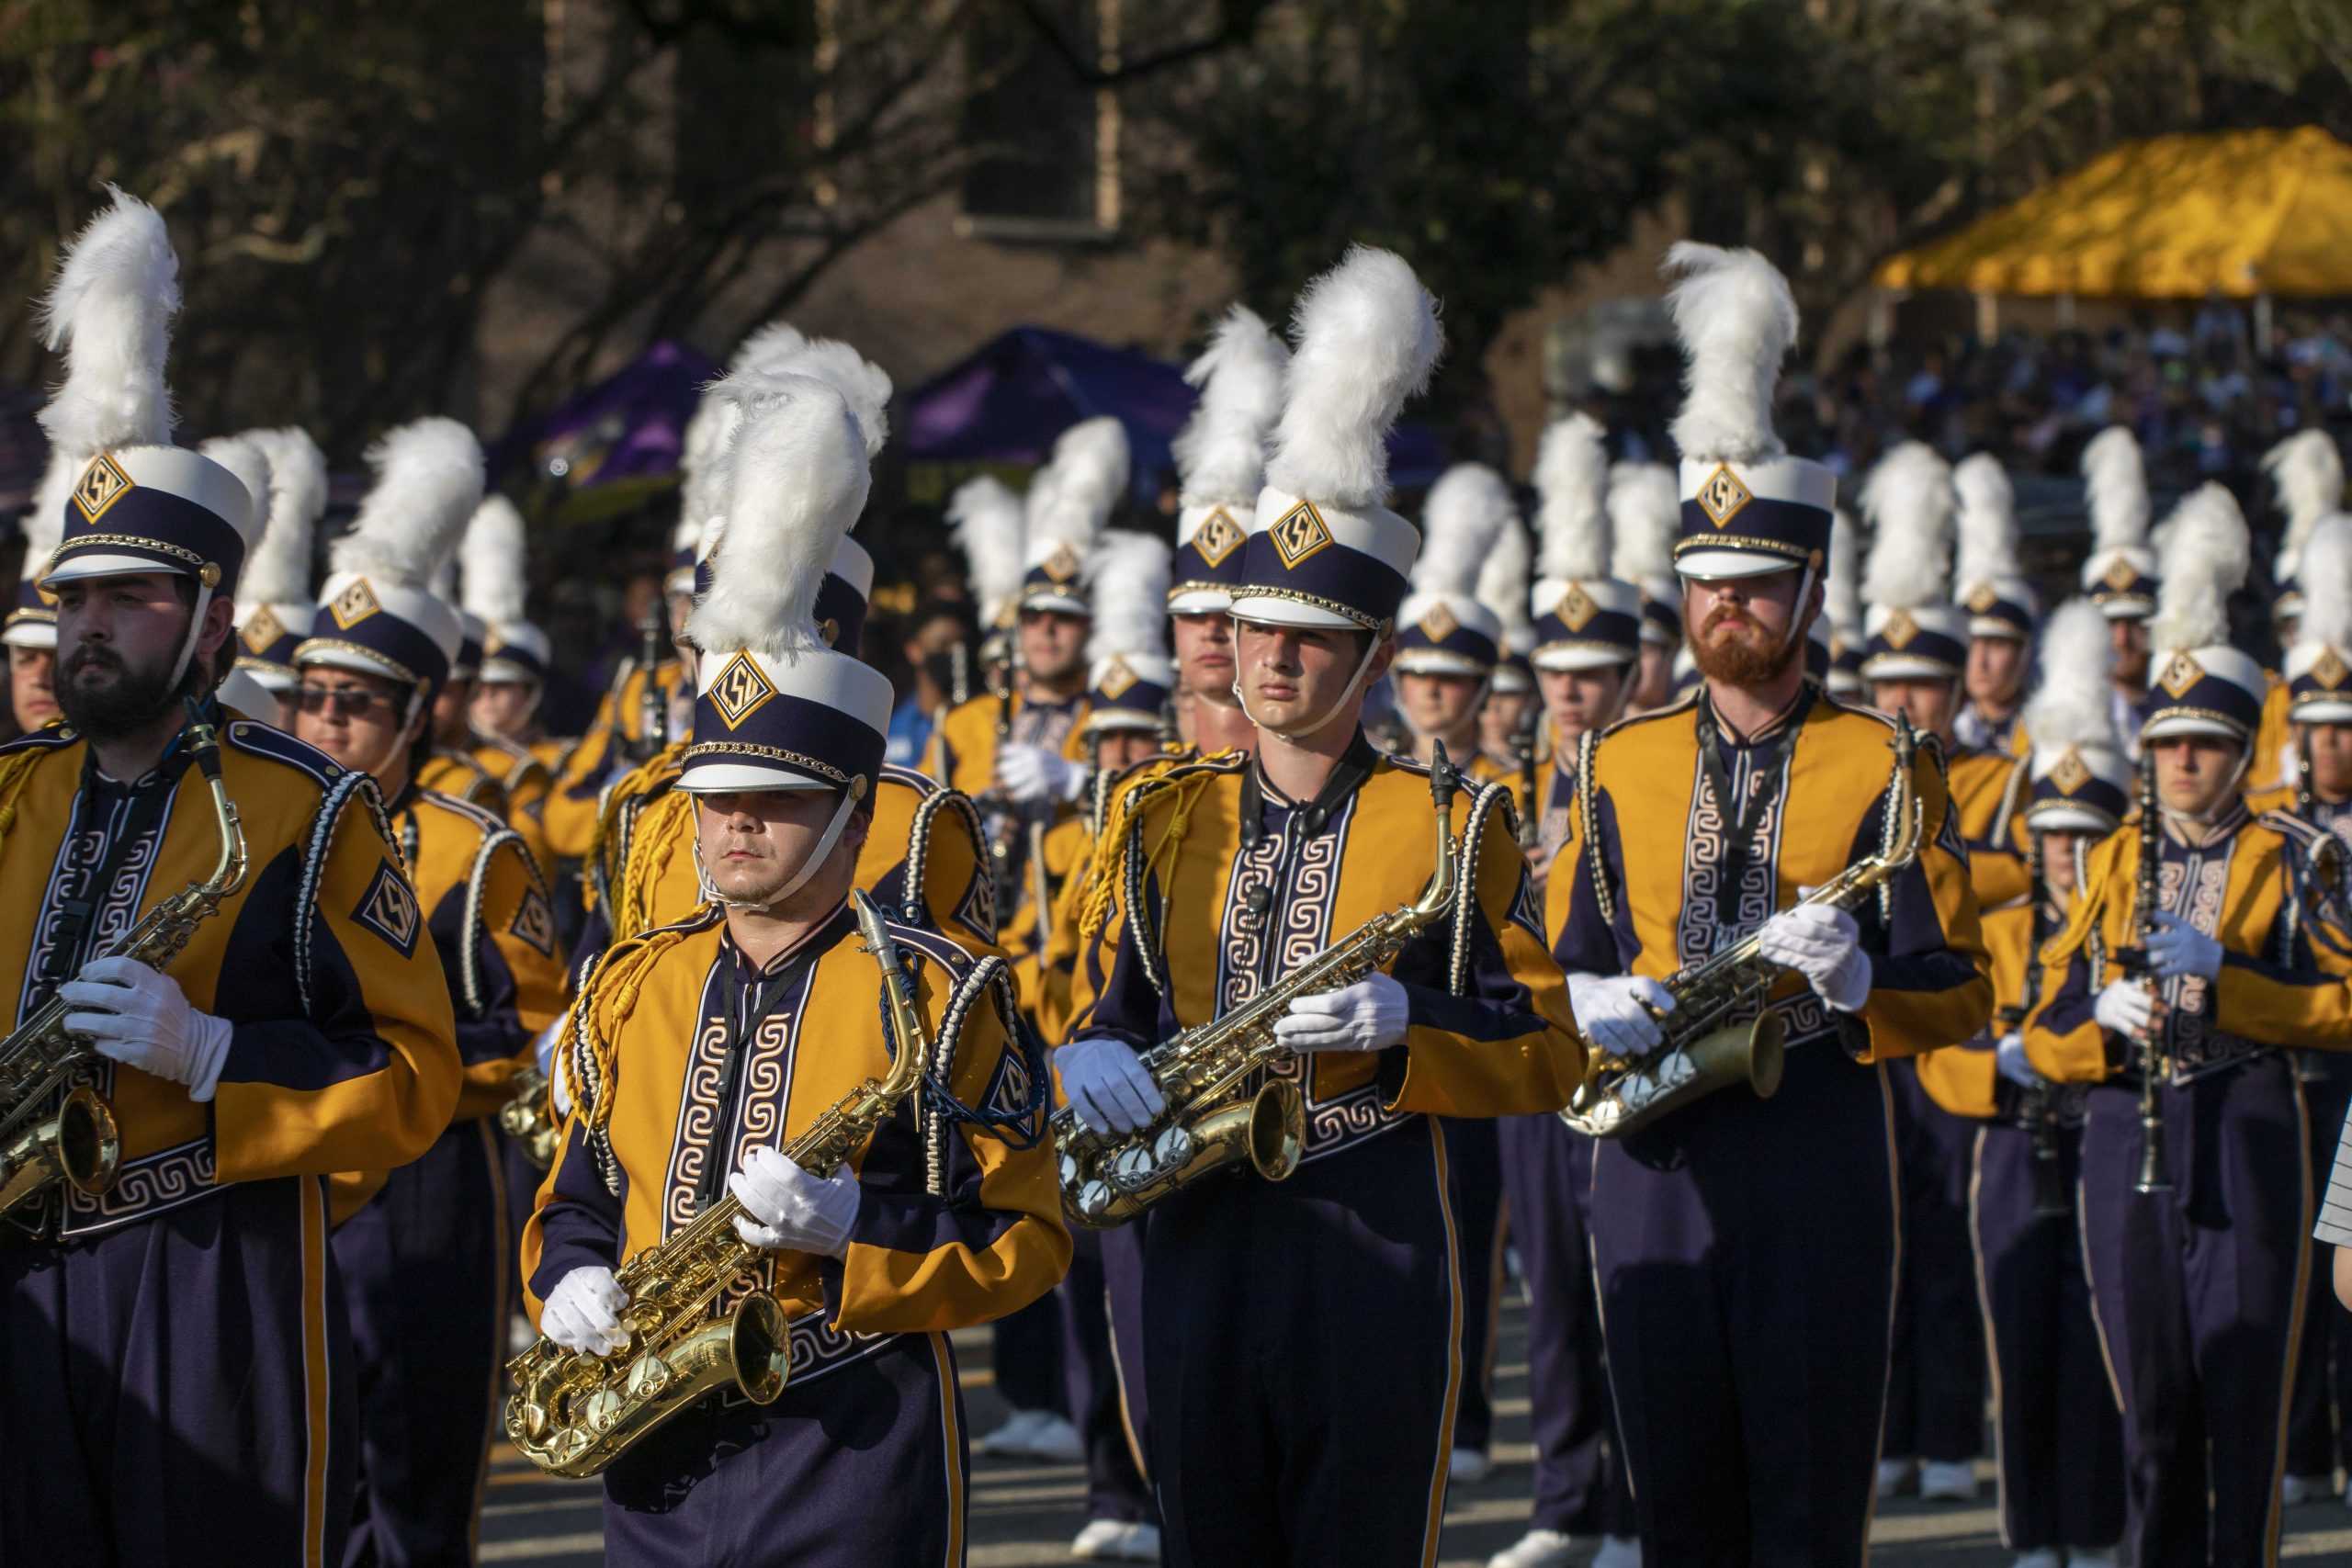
[[2145, 896]]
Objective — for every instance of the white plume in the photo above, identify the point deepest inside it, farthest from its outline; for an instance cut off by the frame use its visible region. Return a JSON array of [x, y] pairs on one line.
[[1221, 451], [493, 554], [1909, 502], [1572, 513], [1368, 338], [1988, 520], [987, 521], [2117, 486], [2308, 472], [2072, 705], [428, 481], [243, 456], [1645, 514], [110, 313], [1737, 320], [1503, 580], [1131, 577], [797, 480], [2326, 578], [1085, 479], [1464, 512], [278, 569], [864, 385], [44, 525], [2205, 559], [1842, 593], [766, 349]]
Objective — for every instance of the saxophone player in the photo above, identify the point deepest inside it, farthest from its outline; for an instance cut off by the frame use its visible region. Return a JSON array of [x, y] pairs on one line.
[[180, 1335], [1267, 1302], [698, 1050], [1751, 1423], [2195, 1187]]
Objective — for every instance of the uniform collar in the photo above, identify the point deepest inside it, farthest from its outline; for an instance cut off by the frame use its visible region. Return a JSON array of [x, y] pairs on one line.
[[1258, 797], [818, 939]]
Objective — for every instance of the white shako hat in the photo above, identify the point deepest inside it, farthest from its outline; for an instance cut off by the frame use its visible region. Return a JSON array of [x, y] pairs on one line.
[[2081, 778], [378, 612], [1645, 517], [1069, 508], [1912, 631], [32, 619], [1324, 552], [275, 606], [2318, 665], [1442, 626], [1221, 459], [1503, 589], [1584, 618], [776, 707], [987, 522], [2200, 684], [1129, 674], [2309, 473], [1748, 508], [1841, 606], [138, 504], [1992, 584], [491, 559], [2119, 574]]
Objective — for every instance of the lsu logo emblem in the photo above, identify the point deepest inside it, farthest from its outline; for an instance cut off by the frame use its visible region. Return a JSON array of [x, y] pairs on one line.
[[1723, 497], [1116, 679], [1900, 629], [1217, 536], [1577, 608], [261, 629], [101, 485], [1299, 534], [2071, 773], [1439, 623], [534, 923], [354, 605], [740, 691], [388, 909], [2180, 674], [2328, 669]]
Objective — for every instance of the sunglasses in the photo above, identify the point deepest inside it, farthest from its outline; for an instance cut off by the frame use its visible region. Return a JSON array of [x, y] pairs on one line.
[[349, 700]]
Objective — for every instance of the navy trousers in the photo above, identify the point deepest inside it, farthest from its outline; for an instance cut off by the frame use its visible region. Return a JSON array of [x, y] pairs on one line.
[[2198, 1293], [178, 1391], [863, 1466], [2319, 1420], [2060, 1438], [1935, 1386], [1579, 1471], [1746, 1251], [1027, 1355], [1302, 1346], [1098, 1404], [1474, 1155]]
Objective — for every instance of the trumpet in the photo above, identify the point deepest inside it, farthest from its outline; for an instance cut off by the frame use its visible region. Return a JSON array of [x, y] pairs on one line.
[[1720, 1031], [573, 1413]]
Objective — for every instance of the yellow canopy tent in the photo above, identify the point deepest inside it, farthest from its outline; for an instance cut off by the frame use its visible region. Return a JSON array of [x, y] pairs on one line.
[[2242, 213]]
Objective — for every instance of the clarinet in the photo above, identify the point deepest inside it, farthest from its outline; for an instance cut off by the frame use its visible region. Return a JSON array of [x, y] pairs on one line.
[[2034, 1106], [1530, 815], [2144, 897], [652, 704]]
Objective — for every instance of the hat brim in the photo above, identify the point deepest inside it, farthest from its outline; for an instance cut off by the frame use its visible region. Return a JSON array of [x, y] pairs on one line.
[[1720, 565], [1438, 662], [2174, 726], [2068, 819], [1907, 667], [2328, 710], [1059, 603], [83, 565], [1561, 659], [1266, 610], [743, 778], [359, 662], [1200, 602], [31, 634]]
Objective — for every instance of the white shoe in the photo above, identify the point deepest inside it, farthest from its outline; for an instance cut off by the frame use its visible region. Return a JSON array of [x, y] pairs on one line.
[[1055, 1438], [1947, 1481], [1618, 1551], [2300, 1489], [1891, 1475], [1117, 1541], [2041, 1556], [1467, 1467], [1014, 1438], [2104, 1557], [1537, 1549]]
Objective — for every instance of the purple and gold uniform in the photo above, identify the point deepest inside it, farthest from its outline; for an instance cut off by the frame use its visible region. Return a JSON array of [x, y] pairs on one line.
[[343, 1057], [862, 1458], [569, 812], [962, 753]]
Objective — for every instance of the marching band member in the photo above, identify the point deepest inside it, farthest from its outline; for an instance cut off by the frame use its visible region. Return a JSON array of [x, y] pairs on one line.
[[2197, 1255], [2059, 1449], [30, 631], [1589, 643], [1306, 839], [500, 729], [2001, 605], [755, 1015], [2119, 574], [2308, 472], [1743, 1318], [275, 614], [424, 1261], [180, 1333], [1644, 515], [1511, 721]]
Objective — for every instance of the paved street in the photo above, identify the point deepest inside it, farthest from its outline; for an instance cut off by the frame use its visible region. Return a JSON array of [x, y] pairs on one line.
[[1023, 1514]]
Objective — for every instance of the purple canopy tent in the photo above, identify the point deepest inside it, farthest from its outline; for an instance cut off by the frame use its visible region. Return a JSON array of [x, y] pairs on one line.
[[629, 426]]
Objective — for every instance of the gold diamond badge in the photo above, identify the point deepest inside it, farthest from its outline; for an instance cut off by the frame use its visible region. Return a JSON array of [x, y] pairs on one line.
[[1061, 565], [2121, 576], [2181, 673], [1299, 534], [1723, 496], [1217, 536], [2328, 669], [1575, 608], [1116, 680], [354, 605], [101, 485], [2071, 773], [1900, 628], [740, 689], [1984, 601], [1439, 623], [261, 629]]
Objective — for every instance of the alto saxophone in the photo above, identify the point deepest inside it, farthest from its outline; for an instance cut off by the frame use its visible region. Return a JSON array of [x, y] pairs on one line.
[[1706, 1046], [573, 1413], [77, 1141], [1209, 1122], [530, 1120]]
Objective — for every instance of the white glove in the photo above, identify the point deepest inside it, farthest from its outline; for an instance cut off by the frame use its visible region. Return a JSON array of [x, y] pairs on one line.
[[794, 1210], [1034, 772], [583, 1312], [2009, 1061], [2179, 948], [1819, 941], [543, 1051], [1108, 1086], [2125, 1007], [1613, 1011], [139, 1018], [1367, 1016]]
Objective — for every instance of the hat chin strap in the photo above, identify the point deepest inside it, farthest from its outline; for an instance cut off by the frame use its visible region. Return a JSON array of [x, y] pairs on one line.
[[1299, 732], [816, 857], [195, 630]]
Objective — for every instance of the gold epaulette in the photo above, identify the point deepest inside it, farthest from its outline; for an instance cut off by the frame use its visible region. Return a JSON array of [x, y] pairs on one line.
[[613, 807], [1178, 789]]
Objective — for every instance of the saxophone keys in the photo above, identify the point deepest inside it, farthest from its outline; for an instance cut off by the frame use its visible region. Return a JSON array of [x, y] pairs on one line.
[[648, 1376], [1094, 1199], [1173, 1149], [603, 1409]]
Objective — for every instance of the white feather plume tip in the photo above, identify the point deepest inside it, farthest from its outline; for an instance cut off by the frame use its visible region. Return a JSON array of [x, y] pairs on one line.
[[2308, 472], [2073, 705], [1572, 514], [278, 569], [1084, 482], [986, 519], [2326, 578], [428, 481], [1221, 451], [766, 349], [1908, 498], [1131, 577], [2205, 559], [2116, 489], [1645, 515], [1737, 320], [1463, 514], [1988, 520], [1368, 339], [491, 555], [1503, 580], [864, 385], [110, 313], [1842, 593]]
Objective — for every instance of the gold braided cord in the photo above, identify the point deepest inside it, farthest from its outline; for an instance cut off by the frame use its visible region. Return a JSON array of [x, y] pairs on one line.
[[1183, 785], [121, 541], [337, 645], [651, 848], [769, 753], [612, 991], [643, 779], [1742, 542], [1241, 590]]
